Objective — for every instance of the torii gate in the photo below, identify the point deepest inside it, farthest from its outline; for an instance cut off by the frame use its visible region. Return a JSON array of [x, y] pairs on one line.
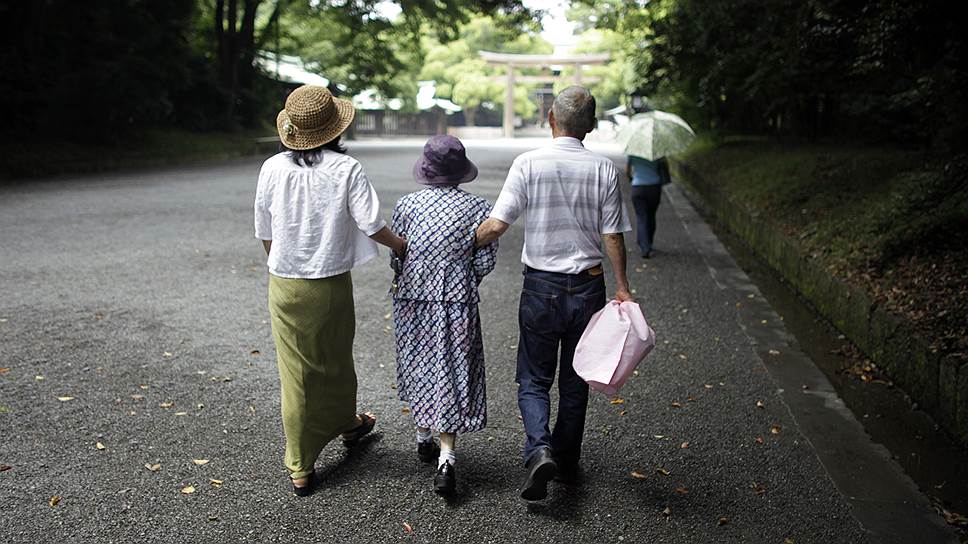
[[511, 61]]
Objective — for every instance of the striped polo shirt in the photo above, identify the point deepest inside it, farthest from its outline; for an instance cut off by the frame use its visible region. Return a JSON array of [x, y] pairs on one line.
[[570, 197]]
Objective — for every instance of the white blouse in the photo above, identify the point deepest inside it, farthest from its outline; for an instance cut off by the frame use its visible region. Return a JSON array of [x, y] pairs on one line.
[[319, 218]]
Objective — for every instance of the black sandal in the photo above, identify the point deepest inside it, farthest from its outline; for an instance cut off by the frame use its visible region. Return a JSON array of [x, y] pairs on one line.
[[367, 422], [307, 489]]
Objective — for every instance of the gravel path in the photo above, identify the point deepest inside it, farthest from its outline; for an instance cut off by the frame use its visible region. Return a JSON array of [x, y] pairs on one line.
[[141, 298]]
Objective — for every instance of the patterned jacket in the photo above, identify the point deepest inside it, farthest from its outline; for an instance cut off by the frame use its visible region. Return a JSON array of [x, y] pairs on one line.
[[442, 264]]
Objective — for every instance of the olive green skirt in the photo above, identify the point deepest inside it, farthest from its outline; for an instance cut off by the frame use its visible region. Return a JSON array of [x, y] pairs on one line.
[[313, 323]]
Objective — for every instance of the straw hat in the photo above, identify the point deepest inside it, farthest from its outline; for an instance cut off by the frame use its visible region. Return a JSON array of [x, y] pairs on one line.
[[312, 117]]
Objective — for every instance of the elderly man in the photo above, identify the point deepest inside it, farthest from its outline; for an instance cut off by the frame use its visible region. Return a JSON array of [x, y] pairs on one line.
[[571, 200]]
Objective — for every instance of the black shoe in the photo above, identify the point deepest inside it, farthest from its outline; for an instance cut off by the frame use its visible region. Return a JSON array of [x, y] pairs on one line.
[[428, 451], [445, 482], [541, 469], [568, 473], [307, 489]]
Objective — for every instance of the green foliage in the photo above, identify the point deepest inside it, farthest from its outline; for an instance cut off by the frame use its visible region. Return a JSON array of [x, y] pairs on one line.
[[799, 68], [463, 77]]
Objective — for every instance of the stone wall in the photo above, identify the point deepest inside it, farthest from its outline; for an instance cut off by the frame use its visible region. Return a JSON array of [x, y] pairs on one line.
[[938, 384]]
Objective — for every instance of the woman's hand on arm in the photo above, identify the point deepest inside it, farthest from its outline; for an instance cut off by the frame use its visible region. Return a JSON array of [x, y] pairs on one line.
[[387, 238]]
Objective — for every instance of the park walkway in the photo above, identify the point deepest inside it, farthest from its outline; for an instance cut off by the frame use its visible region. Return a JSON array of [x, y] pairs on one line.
[[142, 391]]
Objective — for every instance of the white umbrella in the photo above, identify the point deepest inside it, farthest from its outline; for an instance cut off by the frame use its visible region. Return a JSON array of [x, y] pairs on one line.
[[655, 134]]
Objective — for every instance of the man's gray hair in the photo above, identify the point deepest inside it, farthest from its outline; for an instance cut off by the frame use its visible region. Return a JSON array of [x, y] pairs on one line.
[[574, 110]]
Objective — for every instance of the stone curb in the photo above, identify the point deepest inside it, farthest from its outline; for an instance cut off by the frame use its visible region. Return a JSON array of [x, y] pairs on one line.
[[937, 383]]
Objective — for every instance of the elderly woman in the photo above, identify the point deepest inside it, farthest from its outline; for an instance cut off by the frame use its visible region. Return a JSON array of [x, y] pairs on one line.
[[440, 353], [318, 217]]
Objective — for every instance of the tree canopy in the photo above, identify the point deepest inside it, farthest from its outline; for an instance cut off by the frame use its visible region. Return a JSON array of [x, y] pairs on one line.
[[107, 69], [804, 69]]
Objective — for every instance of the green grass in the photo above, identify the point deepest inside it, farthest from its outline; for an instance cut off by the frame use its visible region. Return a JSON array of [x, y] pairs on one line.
[[860, 206], [892, 221]]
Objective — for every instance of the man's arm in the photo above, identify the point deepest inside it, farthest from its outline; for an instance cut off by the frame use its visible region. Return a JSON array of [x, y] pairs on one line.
[[491, 229], [267, 244], [615, 249]]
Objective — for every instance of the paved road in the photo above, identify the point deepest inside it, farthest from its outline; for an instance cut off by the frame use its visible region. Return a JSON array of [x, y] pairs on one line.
[[142, 297]]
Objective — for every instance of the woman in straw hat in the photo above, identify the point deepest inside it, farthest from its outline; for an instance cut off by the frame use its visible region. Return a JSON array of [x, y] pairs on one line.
[[318, 217], [440, 353]]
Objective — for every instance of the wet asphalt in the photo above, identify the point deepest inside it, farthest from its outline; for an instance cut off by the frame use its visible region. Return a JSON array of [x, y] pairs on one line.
[[133, 315]]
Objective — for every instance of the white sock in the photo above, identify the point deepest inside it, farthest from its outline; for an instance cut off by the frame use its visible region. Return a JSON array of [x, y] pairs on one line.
[[424, 436], [445, 456]]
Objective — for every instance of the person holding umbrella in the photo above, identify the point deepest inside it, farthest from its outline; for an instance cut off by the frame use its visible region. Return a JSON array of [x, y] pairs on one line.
[[649, 138]]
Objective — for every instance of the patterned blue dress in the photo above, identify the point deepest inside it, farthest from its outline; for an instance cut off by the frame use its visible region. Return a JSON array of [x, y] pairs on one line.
[[440, 352]]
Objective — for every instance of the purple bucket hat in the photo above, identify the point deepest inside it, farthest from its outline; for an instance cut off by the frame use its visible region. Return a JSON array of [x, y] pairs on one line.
[[444, 162]]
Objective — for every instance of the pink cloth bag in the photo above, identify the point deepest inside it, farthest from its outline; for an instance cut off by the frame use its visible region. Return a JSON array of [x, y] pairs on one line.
[[614, 342]]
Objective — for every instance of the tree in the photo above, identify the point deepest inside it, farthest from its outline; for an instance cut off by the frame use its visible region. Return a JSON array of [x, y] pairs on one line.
[[463, 77]]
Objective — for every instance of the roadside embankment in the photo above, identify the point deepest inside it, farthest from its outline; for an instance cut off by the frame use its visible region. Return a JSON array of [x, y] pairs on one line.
[[30, 159], [875, 239]]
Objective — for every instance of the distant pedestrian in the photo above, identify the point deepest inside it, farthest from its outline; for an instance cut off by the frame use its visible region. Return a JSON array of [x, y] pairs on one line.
[[647, 179], [440, 351], [571, 199], [318, 216]]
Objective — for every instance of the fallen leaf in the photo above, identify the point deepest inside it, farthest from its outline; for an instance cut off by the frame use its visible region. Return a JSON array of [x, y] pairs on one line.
[[637, 475], [212, 517], [618, 401], [54, 500], [98, 316], [166, 354], [181, 413], [255, 353], [39, 378], [751, 295], [708, 385], [681, 490], [775, 429], [662, 471], [676, 405], [166, 405], [759, 489], [143, 386], [4, 370], [690, 398], [623, 412], [682, 356], [388, 316], [666, 511], [759, 404], [722, 521], [659, 436], [65, 399], [684, 445], [200, 462], [407, 528], [153, 467], [215, 483], [188, 490], [759, 439], [138, 397], [774, 352], [252, 408], [404, 410], [4, 468], [100, 446]]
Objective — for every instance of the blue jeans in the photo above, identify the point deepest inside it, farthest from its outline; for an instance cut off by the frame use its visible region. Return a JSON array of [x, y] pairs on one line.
[[645, 199], [554, 310]]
